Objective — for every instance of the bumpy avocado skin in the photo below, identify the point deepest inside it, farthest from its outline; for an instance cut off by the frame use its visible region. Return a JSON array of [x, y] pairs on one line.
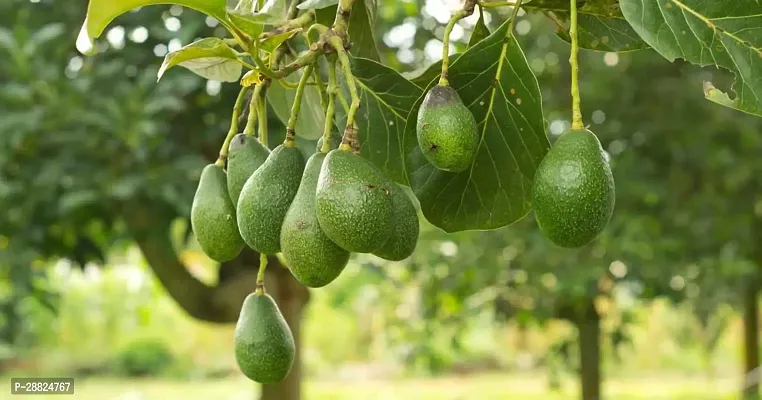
[[573, 194], [245, 155], [447, 131], [263, 342], [354, 206], [405, 228], [266, 197], [213, 217], [312, 257]]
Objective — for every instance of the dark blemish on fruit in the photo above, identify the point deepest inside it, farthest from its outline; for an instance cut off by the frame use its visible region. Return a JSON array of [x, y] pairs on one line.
[[434, 148]]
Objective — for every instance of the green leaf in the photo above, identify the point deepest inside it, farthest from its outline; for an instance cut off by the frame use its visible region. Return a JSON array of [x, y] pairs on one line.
[[480, 30], [311, 116], [601, 33], [385, 98], [272, 43], [496, 83], [362, 23], [100, 13], [326, 16], [704, 32], [316, 4], [272, 12], [246, 23], [210, 58]]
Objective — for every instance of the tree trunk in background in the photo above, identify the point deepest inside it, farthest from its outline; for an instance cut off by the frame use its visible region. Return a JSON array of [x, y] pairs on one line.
[[589, 324], [751, 342], [291, 298]]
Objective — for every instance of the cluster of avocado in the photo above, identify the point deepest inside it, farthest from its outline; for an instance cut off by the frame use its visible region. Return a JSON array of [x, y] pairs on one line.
[[315, 213], [573, 191]]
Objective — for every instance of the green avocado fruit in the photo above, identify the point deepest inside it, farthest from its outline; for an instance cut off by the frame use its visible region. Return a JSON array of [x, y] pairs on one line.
[[573, 193], [405, 228], [312, 257], [354, 206], [263, 342], [266, 197], [245, 155], [447, 131], [213, 217]]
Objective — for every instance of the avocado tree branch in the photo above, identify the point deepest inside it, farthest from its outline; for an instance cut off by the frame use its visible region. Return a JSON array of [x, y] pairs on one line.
[[330, 108], [297, 105], [233, 127], [576, 112], [341, 22], [468, 9]]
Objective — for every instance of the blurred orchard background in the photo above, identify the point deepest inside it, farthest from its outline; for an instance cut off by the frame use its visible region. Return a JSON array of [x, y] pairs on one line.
[[100, 277]]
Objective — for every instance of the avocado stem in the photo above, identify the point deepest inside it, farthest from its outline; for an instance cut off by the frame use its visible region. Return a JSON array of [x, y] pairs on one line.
[[330, 108], [297, 105], [468, 9], [262, 110], [577, 123], [253, 111], [261, 273], [338, 44], [318, 82], [233, 127]]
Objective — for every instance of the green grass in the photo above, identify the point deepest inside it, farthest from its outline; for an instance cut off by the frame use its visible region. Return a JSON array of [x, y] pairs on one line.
[[478, 387]]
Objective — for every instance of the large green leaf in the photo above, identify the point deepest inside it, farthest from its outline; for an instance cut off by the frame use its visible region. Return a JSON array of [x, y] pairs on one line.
[[496, 83], [210, 58], [311, 116], [385, 98], [601, 33], [362, 23], [707, 32], [100, 13]]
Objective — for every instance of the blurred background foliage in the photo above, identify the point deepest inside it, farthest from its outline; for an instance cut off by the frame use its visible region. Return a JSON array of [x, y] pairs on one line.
[[672, 285]]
